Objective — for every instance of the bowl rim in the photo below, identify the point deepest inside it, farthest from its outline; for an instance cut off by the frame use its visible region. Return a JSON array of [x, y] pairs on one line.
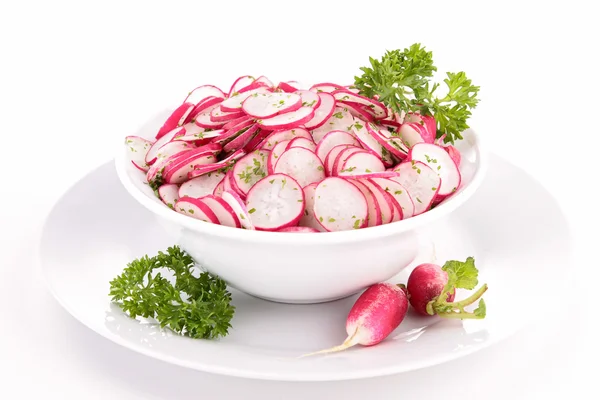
[[293, 238]]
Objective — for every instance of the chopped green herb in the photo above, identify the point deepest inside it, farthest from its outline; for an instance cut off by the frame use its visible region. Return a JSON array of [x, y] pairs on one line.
[[338, 115], [242, 216], [252, 211], [271, 181], [439, 167], [358, 125], [434, 189], [398, 192], [419, 200], [299, 200], [283, 182], [321, 219], [418, 170], [331, 219], [357, 224], [191, 211], [320, 168], [368, 170]]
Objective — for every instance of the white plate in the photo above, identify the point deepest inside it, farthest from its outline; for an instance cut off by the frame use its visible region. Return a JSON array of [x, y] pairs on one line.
[[512, 227]]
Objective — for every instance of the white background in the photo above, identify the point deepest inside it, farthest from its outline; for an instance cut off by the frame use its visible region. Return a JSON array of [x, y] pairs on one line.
[[76, 76]]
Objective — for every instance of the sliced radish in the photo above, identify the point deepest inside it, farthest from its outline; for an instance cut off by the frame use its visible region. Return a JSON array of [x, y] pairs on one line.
[[265, 80], [322, 112], [289, 86], [308, 218], [340, 160], [153, 151], [383, 174], [203, 92], [217, 115], [240, 83], [421, 182], [179, 115], [207, 104], [275, 202], [374, 212], [177, 171], [202, 185], [235, 131], [363, 162], [288, 120], [222, 210], [196, 209], [333, 155], [384, 201], [254, 143], [275, 154], [325, 87], [302, 142], [390, 125], [194, 133], [239, 208], [231, 184], [413, 133], [200, 170], [378, 109], [250, 169], [234, 103], [298, 229], [340, 120], [242, 139], [357, 111], [332, 139], [309, 99], [352, 89], [426, 121], [219, 188], [203, 120], [172, 148], [235, 122], [287, 134], [391, 142], [137, 148], [340, 205], [399, 193], [371, 143], [169, 194], [155, 172], [454, 154], [263, 105], [440, 161], [301, 164]]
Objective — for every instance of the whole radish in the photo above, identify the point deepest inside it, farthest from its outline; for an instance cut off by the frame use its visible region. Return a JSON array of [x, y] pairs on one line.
[[431, 289], [375, 314]]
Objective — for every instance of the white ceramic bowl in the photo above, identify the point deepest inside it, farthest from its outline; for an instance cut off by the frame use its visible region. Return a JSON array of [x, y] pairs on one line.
[[299, 267]]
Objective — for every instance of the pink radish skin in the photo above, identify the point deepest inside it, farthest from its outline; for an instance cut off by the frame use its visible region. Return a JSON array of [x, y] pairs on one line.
[[454, 154], [426, 121], [234, 131], [289, 86], [172, 122], [357, 111], [309, 99], [231, 184], [438, 159], [377, 312], [342, 157], [209, 103], [422, 183], [241, 140], [137, 148], [234, 103], [288, 120], [332, 139], [222, 211], [298, 229], [308, 218], [400, 194], [196, 209], [240, 83], [363, 162], [413, 133], [239, 208], [281, 135], [216, 115], [219, 189], [425, 284], [208, 168], [302, 142], [377, 108], [333, 155], [325, 87], [254, 143], [164, 139], [374, 213], [203, 120], [275, 154], [266, 81], [177, 172], [202, 92], [235, 122], [386, 206], [267, 105], [323, 112]]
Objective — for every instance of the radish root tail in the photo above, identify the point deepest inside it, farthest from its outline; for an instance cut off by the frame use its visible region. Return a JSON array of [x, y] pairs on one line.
[[349, 342]]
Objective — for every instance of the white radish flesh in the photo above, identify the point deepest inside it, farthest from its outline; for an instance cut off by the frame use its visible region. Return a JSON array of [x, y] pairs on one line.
[[172, 148], [413, 133], [301, 164], [428, 122], [234, 103], [177, 172], [370, 143], [201, 185], [438, 159], [384, 201], [219, 189], [363, 162], [275, 154], [325, 87], [341, 120], [333, 155], [169, 194], [288, 120], [240, 83], [309, 99], [239, 208], [399, 193], [153, 151], [275, 202], [137, 148], [378, 109], [302, 142], [323, 111], [332, 139], [282, 135], [172, 122], [217, 115], [194, 133], [196, 209], [262, 105], [203, 169], [222, 211], [308, 218], [340, 205], [374, 212], [241, 140], [421, 182], [357, 111], [250, 169], [266, 81], [342, 157], [235, 131], [203, 119], [202, 92], [231, 185]]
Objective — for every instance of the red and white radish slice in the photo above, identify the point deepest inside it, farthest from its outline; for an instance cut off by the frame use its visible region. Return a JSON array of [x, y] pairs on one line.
[[275, 202], [263, 105], [169, 194], [202, 92], [390, 125], [322, 112], [231, 184], [389, 143], [275, 154], [282, 135], [413, 133], [265, 80], [204, 105], [222, 211], [288, 120], [302, 142], [219, 189], [426, 121], [239, 208], [254, 143], [378, 108], [250, 169], [241, 140], [301, 164], [153, 150], [399, 193], [235, 131], [235, 122], [371, 143], [386, 207], [172, 122], [203, 120], [194, 133], [298, 229], [196, 209], [332, 139], [440, 161], [454, 154], [137, 148], [217, 115], [374, 213], [172, 148], [383, 174], [352, 88], [308, 218], [340, 205], [357, 111], [240, 83], [363, 162], [155, 171], [421, 182], [325, 87], [234, 103], [177, 172], [340, 120], [289, 86], [309, 99], [202, 169], [332, 156], [202, 185], [340, 160]]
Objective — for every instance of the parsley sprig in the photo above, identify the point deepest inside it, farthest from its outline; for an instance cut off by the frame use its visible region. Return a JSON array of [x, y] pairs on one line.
[[198, 307], [402, 81]]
